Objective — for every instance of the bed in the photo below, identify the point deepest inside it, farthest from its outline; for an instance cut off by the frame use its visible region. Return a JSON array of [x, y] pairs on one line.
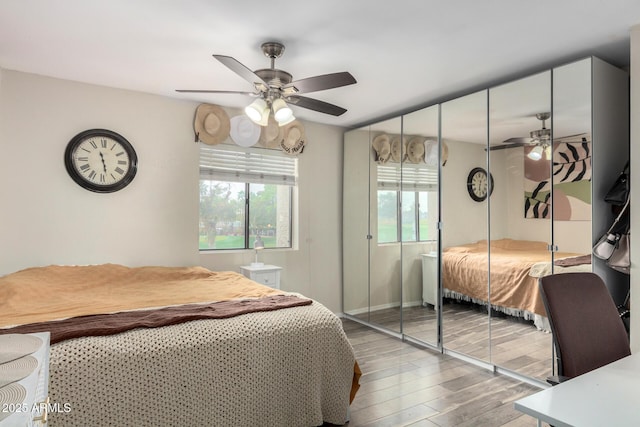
[[178, 346], [516, 266]]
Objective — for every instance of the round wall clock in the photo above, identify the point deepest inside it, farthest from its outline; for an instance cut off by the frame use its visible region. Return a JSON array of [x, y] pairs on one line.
[[478, 185], [101, 160]]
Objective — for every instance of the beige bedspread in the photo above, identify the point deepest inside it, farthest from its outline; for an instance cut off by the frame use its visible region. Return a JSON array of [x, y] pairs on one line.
[[465, 270], [288, 367], [57, 292]]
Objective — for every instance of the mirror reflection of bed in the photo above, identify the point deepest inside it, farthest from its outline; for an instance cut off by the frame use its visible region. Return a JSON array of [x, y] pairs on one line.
[[528, 135], [516, 266]]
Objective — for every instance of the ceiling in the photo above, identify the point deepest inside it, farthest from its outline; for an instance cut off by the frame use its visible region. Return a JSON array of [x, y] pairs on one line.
[[404, 54]]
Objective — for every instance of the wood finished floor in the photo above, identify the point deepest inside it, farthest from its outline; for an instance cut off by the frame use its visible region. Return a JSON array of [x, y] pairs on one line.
[[515, 344], [403, 385]]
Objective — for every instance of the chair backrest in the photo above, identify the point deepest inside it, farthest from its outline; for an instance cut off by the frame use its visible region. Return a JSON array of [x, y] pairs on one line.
[[587, 330]]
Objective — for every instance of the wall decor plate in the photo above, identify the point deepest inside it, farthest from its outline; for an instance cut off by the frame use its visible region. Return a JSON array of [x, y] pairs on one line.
[[17, 369], [13, 394], [15, 346]]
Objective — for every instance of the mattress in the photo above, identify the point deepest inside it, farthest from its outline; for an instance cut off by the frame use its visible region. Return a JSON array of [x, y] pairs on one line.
[[515, 268]]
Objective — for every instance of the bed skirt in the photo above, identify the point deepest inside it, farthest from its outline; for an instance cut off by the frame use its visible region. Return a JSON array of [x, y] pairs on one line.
[[540, 322]]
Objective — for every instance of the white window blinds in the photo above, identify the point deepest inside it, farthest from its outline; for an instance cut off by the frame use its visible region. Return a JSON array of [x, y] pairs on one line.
[[412, 177], [254, 165]]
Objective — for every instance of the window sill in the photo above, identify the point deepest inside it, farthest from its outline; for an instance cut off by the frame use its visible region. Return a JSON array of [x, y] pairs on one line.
[[241, 251]]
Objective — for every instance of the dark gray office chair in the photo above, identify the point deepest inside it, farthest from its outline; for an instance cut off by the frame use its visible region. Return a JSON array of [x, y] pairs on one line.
[[587, 330]]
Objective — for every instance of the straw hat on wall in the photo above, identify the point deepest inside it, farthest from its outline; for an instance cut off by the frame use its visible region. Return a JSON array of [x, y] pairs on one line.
[[271, 135], [382, 148], [211, 124], [294, 138]]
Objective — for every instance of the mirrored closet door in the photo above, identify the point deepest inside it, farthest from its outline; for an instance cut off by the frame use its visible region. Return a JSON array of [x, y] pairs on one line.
[[573, 161], [419, 217], [355, 227], [372, 226], [520, 223], [453, 212], [465, 184], [385, 268]]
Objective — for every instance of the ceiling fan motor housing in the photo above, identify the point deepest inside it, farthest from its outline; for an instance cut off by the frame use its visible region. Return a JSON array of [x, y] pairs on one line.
[[543, 134], [272, 49], [274, 77]]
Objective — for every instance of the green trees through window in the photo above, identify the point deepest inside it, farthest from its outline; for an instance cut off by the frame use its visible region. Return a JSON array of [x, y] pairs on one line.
[[233, 214], [402, 216]]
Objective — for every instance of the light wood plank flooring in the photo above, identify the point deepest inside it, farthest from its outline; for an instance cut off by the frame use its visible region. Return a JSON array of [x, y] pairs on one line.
[[515, 344], [403, 385]]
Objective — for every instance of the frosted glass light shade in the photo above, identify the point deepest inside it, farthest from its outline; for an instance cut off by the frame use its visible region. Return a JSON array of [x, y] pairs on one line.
[[286, 122], [536, 153], [281, 111], [258, 111]]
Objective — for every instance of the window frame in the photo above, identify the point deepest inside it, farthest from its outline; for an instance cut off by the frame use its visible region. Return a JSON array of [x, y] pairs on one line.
[[220, 172], [406, 178], [416, 215]]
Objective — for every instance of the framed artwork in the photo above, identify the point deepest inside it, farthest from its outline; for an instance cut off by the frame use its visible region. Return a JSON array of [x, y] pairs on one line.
[[571, 169]]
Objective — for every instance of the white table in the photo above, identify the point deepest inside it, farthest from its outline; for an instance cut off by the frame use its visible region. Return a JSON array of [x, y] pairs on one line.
[[607, 396], [268, 275], [430, 279]]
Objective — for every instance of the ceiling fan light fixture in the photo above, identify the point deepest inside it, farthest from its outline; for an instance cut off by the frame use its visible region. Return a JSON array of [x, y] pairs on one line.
[[543, 134], [536, 153], [286, 122], [281, 111], [258, 111]]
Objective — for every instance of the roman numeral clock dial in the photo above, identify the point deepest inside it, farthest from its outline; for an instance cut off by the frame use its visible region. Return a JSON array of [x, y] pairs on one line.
[[101, 160], [479, 185]]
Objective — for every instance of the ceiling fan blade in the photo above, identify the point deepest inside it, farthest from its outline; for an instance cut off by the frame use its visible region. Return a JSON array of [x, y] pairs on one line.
[[519, 140], [317, 83], [505, 146], [568, 138], [216, 91], [316, 105], [238, 68]]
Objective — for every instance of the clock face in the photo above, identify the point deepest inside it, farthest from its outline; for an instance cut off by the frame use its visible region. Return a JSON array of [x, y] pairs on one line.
[[478, 184], [101, 160]]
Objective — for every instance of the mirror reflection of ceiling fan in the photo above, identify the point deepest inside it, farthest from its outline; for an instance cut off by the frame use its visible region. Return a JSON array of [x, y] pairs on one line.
[[275, 88], [539, 139]]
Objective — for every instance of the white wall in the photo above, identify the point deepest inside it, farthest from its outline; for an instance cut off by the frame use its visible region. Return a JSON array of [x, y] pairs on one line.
[[314, 269], [48, 219]]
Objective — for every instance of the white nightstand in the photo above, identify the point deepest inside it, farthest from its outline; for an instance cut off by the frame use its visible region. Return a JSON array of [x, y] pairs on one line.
[[430, 279], [266, 274]]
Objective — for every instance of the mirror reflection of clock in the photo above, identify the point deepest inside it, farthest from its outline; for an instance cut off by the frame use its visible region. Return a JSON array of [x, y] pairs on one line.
[[478, 184]]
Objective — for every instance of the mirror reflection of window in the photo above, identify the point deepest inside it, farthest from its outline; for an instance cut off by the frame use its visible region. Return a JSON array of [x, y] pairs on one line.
[[387, 216]]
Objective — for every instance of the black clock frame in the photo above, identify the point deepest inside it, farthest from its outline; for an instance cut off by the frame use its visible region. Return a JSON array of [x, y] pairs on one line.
[[473, 195], [81, 180]]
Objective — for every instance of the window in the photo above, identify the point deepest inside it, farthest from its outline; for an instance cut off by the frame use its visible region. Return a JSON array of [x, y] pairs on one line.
[[245, 193], [403, 209]]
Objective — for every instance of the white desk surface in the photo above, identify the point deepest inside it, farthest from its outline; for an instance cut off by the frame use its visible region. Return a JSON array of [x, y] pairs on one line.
[[607, 396]]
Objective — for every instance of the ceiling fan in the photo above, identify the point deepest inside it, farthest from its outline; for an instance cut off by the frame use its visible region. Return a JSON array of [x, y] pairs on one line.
[[536, 137], [540, 139], [275, 88]]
